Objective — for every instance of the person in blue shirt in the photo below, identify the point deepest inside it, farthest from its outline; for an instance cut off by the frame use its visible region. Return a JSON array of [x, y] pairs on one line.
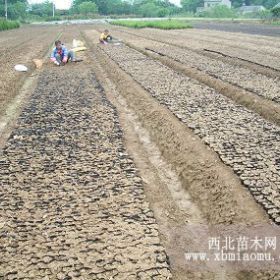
[[60, 55]]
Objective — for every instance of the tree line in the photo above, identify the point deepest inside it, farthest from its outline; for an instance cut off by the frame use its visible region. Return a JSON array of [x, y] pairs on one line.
[[20, 9], [144, 8], [192, 5]]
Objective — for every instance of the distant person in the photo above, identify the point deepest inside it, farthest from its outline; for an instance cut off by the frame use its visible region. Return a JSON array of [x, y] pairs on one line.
[[60, 54], [105, 37]]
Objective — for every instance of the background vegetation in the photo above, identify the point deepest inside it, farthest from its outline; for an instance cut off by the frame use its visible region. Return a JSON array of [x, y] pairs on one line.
[[192, 5], [7, 24], [219, 12], [21, 11], [17, 9]]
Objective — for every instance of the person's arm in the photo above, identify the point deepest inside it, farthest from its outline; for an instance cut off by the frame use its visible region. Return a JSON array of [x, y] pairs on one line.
[[65, 55], [101, 38], [53, 55]]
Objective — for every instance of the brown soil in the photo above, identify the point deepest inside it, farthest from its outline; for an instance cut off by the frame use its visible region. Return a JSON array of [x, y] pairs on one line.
[[239, 28], [199, 170], [13, 108], [21, 47], [74, 205], [245, 64], [266, 108], [183, 149], [253, 59]]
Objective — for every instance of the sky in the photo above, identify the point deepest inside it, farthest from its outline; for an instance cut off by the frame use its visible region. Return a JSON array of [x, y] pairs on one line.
[[176, 2], [65, 4]]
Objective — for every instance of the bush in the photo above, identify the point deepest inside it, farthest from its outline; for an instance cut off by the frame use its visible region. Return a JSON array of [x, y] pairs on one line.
[[17, 11], [185, 15], [148, 10], [276, 12], [219, 11], [7, 24], [86, 8], [153, 9], [56, 18], [160, 24]]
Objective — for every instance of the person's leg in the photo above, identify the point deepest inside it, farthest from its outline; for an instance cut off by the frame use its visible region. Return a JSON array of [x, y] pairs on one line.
[[58, 58], [71, 56]]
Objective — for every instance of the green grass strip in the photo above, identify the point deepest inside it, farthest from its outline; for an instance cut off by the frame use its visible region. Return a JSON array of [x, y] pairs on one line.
[[160, 24], [8, 24]]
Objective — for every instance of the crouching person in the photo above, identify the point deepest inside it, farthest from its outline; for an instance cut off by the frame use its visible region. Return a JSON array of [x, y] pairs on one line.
[[105, 37], [60, 54]]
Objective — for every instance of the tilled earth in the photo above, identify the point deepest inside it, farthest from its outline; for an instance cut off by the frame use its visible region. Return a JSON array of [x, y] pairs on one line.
[[259, 29], [228, 45], [72, 203], [20, 47], [244, 140], [257, 83]]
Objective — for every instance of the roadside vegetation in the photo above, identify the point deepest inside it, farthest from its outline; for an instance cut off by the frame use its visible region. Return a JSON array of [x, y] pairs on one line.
[[160, 24], [8, 24]]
